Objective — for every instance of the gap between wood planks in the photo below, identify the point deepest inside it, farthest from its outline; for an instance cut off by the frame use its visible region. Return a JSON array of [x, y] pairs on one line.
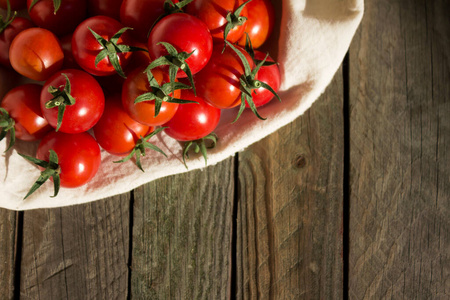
[[346, 175]]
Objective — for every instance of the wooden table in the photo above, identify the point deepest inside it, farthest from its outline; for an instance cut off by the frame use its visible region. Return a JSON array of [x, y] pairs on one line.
[[352, 200]]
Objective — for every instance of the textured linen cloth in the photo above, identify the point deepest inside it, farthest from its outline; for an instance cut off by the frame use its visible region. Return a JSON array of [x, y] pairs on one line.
[[310, 41]]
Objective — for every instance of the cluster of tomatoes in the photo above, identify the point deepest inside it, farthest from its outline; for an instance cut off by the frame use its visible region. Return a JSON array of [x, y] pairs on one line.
[[125, 70]]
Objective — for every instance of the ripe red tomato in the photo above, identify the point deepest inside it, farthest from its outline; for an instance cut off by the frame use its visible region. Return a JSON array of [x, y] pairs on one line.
[[218, 83], [85, 46], [269, 75], [64, 21], [261, 17], [36, 53], [192, 121], [78, 156], [109, 8], [187, 34], [89, 101], [22, 104], [140, 15], [137, 84], [7, 35], [116, 131], [15, 4], [214, 13]]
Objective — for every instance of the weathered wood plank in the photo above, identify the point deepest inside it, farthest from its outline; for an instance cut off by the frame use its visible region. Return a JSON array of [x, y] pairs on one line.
[[77, 252], [8, 238], [182, 235], [400, 129], [289, 231]]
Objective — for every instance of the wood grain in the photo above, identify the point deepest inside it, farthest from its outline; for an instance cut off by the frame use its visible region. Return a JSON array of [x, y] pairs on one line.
[[182, 235], [76, 252], [400, 129], [8, 238], [289, 231]]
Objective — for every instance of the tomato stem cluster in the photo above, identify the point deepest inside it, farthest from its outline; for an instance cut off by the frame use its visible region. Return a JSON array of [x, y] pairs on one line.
[[51, 169], [200, 146], [61, 98], [141, 145], [8, 19]]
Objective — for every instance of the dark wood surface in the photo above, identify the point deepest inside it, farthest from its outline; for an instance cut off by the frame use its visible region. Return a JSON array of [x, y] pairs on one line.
[[351, 200]]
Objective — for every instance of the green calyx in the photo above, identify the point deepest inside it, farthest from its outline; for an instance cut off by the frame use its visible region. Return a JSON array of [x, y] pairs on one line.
[[175, 61], [8, 19], [56, 5], [251, 52], [249, 83], [200, 145], [7, 125], [51, 169], [61, 98], [141, 145], [111, 49], [234, 19], [162, 93]]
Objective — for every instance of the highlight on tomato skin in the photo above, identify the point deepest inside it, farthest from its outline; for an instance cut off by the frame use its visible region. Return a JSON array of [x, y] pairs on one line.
[[116, 132], [22, 104], [36, 53]]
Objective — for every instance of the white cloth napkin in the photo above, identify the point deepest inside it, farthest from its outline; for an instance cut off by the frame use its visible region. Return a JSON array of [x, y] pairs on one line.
[[314, 36]]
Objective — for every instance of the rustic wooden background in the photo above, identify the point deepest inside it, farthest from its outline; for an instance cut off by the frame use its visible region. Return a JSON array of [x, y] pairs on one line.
[[352, 200]]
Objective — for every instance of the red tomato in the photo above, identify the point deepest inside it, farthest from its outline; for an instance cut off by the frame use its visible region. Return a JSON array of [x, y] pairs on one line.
[[89, 101], [64, 21], [218, 83], [22, 104], [192, 121], [214, 13], [8, 34], [78, 156], [267, 74], [140, 15], [144, 112], [261, 18], [85, 47], [15, 4], [36, 53], [109, 8], [187, 34], [116, 131]]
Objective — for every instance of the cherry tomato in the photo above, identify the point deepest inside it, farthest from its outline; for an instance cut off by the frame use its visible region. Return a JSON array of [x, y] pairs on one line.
[[192, 121], [78, 156], [267, 74], [15, 4], [64, 21], [218, 83], [141, 15], [8, 34], [36, 53], [261, 17], [116, 131], [22, 104], [144, 112], [109, 8], [187, 34], [89, 101], [214, 13], [85, 47]]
